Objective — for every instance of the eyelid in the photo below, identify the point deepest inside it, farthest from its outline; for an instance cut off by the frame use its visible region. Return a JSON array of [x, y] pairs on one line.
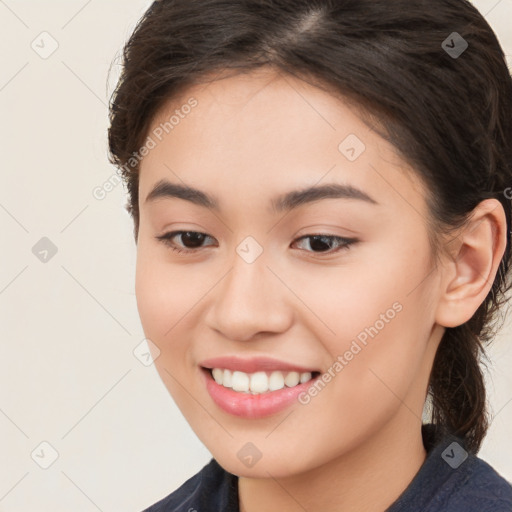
[[325, 230]]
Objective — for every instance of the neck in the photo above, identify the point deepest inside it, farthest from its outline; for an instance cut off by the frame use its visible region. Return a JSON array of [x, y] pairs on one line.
[[369, 478]]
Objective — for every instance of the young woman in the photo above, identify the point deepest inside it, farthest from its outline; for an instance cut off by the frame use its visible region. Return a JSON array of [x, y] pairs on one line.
[[321, 195]]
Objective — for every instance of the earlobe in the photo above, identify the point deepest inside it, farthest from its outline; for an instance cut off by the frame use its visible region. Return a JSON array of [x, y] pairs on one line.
[[475, 258]]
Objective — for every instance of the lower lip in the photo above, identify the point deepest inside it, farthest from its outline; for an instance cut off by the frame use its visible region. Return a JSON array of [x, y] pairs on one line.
[[251, 406]]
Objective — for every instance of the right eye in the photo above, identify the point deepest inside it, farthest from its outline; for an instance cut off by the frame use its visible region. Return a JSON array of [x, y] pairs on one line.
[[191, 240]]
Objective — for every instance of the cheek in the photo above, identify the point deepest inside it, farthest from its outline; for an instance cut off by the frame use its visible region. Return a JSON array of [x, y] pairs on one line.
[[165, 297], [165, 294], [379, 363], [377, 319], [154, 302]]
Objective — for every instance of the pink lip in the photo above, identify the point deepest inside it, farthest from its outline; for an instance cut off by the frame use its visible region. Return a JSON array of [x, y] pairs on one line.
[[247, 405], [252, 365]]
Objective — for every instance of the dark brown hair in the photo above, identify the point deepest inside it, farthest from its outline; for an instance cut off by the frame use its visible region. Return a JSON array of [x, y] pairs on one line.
[[449, 116]]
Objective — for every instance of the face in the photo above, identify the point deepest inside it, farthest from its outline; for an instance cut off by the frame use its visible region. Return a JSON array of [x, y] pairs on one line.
[[338, 281]]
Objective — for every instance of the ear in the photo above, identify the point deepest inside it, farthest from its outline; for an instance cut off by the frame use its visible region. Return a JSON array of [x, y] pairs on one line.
[[472, 261]]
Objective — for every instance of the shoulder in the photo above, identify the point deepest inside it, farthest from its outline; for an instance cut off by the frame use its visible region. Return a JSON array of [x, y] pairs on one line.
[[480, 488], [453, 480], [212, 488]]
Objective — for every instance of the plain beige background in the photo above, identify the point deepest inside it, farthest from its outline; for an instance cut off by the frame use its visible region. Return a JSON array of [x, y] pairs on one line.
[[75, 394]]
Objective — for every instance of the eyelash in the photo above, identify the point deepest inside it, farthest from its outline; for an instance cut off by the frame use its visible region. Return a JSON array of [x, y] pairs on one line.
[[345, 243]]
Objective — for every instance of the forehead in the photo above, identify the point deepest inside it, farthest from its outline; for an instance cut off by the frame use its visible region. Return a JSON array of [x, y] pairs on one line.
[[268, 132]]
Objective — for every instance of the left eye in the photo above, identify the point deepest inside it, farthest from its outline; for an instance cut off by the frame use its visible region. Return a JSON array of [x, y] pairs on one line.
[[319, 242], [193, 240]]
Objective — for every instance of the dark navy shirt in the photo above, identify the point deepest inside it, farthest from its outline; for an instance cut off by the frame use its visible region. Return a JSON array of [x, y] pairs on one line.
[[450, 480]]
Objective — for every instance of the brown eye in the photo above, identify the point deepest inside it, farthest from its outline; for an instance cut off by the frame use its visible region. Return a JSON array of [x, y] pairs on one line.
[[326, 243], [190, 240]]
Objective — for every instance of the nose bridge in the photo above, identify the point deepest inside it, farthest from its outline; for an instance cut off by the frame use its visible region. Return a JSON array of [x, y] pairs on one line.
[[246, 281], [247, 278], [246, 301]]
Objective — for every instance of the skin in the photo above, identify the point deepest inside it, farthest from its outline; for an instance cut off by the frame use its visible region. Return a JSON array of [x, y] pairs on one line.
[[250, 138]]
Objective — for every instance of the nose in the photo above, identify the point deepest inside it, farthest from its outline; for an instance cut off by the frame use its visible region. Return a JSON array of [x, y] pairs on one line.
[[250, 300]]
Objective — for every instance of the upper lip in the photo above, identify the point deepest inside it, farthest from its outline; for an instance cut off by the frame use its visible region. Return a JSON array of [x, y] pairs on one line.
[[253, 364]]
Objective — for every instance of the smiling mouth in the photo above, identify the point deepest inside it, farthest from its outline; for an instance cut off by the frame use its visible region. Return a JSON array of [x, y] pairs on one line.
[[259, 382]]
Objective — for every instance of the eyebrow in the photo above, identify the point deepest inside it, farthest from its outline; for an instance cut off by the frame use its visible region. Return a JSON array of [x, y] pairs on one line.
[[284, 202]]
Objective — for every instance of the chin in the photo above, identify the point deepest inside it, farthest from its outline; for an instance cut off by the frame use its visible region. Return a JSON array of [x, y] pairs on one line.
[[276, 465]]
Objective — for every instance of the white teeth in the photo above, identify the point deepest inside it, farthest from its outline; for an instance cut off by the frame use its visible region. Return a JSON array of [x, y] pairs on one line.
[[292, 379], [240, 381], [226, 379], [276, 381], [217, 375], [304, 377], [259, 382]]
